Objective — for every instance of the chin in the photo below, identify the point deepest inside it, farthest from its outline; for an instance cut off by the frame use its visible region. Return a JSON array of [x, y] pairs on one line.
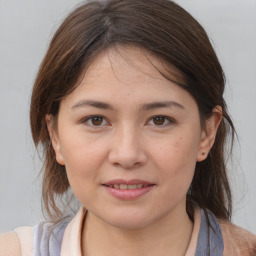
[[127, 219], [130, 223]]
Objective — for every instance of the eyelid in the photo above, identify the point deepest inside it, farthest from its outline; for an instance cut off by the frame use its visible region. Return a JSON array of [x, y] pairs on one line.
[[171, 121], [87, 118]]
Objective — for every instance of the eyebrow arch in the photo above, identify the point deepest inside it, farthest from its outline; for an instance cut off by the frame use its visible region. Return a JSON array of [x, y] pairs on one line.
[[92, 103], [161, 104], [144, 107]]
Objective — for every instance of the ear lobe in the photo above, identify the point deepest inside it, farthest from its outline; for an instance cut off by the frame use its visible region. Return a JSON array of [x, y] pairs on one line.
[[209, 133], [54, 139]]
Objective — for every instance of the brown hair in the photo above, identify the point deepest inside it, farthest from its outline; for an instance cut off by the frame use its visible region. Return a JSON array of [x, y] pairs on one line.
[[165, 30]]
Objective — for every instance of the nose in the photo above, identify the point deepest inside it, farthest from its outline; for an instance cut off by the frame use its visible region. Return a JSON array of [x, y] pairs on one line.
[[127, 149]]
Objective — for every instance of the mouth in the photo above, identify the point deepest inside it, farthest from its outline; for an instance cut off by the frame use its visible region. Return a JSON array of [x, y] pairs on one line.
[[127, 186], [128, 190]]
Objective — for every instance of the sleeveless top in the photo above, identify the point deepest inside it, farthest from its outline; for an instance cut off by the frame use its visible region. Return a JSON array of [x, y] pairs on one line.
[[64, 238]]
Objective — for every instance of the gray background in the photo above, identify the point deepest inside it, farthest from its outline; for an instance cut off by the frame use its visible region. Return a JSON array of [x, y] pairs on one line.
[[26, 28]]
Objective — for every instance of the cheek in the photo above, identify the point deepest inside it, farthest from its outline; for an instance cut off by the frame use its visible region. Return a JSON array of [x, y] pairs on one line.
[[176, 151], [176, 160], [82, 160], [83, 164]]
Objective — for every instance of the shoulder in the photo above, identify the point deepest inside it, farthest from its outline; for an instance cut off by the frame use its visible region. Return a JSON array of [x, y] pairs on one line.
[[237, 241], [9, 244]]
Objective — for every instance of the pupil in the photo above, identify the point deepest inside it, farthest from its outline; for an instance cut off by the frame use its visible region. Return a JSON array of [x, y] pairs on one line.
[[159, 120], [97, 120]]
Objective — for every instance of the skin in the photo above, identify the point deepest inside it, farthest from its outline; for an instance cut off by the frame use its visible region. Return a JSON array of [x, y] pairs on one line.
[[126, 141], [9, 244]]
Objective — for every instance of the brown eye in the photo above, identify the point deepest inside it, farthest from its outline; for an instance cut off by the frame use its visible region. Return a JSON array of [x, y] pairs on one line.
[[159, 120], [96, 120]]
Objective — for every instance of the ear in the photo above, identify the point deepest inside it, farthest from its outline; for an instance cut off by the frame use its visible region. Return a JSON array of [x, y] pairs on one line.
[[54, 138], [209, 133]]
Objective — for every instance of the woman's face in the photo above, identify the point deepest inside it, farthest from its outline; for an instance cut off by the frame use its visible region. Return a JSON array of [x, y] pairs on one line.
[[129, 140]]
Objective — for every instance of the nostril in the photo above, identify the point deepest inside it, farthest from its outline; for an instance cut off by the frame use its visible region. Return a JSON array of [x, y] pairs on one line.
[[128, 165], [127, 161]]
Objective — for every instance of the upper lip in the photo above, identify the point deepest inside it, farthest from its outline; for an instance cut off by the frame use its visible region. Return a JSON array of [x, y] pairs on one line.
[[128, 182]]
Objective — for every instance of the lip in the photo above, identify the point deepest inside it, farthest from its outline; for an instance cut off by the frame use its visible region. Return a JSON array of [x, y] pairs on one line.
[[128, 194], [128, 182]]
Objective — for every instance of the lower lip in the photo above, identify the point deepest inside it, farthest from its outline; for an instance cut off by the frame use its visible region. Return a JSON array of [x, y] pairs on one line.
[[128, 194]]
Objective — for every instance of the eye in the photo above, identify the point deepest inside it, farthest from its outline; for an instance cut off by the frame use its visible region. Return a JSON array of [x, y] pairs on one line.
[[94, 121], [161, 121]]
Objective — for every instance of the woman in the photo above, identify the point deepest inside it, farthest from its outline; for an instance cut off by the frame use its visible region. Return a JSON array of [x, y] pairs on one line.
[[128, 107]]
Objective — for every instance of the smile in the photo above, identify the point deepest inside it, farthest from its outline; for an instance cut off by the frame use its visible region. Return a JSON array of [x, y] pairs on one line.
[[127, 186], [128, 190]]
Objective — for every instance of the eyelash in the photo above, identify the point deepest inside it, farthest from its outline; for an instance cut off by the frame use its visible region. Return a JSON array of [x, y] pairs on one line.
[[170, 121], [88, 119]]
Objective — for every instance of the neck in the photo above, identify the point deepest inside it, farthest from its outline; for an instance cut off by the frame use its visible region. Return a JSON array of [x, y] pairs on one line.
[[168, 236]]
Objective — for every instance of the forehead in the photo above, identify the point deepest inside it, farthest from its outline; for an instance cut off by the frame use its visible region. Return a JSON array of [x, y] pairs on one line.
[[127, 65], [128, 74], [131, 61]]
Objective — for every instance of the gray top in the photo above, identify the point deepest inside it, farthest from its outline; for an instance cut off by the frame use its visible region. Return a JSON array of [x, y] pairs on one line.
[[210, 240], [48, 237]]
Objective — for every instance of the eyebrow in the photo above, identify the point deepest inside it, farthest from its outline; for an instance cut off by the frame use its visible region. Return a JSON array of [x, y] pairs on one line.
[[92, 103], [162, 104], [145, 107]]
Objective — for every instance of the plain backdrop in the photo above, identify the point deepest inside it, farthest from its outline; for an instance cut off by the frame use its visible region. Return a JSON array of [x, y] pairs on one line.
[[26, 28]]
